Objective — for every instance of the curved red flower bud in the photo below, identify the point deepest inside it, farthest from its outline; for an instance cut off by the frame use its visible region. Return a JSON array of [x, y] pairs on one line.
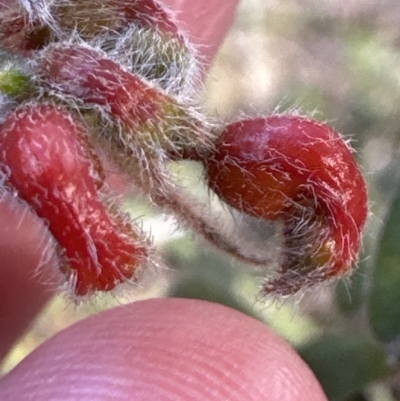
[[302, 173], [149, 116], [46, 158]]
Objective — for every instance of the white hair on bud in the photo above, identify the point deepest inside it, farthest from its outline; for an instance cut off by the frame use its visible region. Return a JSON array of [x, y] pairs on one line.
[[38, 10]]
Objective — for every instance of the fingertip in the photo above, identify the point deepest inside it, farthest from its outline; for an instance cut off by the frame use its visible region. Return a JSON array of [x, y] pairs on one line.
[[164, 349]]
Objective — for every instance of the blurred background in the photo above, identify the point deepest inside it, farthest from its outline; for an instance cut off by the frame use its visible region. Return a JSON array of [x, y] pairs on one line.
[[340, 62]]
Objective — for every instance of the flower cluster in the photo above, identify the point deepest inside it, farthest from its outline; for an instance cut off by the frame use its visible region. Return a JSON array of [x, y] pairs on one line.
[[119, 80]]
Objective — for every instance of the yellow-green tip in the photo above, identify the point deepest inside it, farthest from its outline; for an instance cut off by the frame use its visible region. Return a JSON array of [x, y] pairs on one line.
[[13, 82]]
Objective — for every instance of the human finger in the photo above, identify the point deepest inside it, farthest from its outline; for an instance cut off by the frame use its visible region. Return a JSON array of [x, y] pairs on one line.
[[164, 349]]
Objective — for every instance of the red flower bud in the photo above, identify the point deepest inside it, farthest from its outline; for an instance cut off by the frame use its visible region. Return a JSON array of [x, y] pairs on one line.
[[45, 156], [149, 116], [302, 173]]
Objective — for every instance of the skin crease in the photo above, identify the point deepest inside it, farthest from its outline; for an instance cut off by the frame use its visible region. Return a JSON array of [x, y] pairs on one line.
[[151, 350]]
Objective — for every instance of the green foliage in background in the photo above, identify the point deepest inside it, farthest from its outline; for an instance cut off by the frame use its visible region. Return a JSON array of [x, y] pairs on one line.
[[345, 363], [384, 306]]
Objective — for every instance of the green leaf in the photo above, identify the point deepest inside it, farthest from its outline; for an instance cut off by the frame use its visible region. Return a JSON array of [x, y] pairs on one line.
[[345, 363], [384, 305]]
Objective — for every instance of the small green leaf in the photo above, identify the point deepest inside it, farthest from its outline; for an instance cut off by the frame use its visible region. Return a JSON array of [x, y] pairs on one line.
[[345, 363], [384, 306]]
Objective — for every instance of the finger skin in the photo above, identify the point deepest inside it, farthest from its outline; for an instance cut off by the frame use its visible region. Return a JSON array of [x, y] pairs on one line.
[[28, 269], [164, 349], [206, 22], [22, 295]]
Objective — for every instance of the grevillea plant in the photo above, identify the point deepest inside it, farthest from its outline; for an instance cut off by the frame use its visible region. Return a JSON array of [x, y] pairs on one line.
[[121, 80]]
